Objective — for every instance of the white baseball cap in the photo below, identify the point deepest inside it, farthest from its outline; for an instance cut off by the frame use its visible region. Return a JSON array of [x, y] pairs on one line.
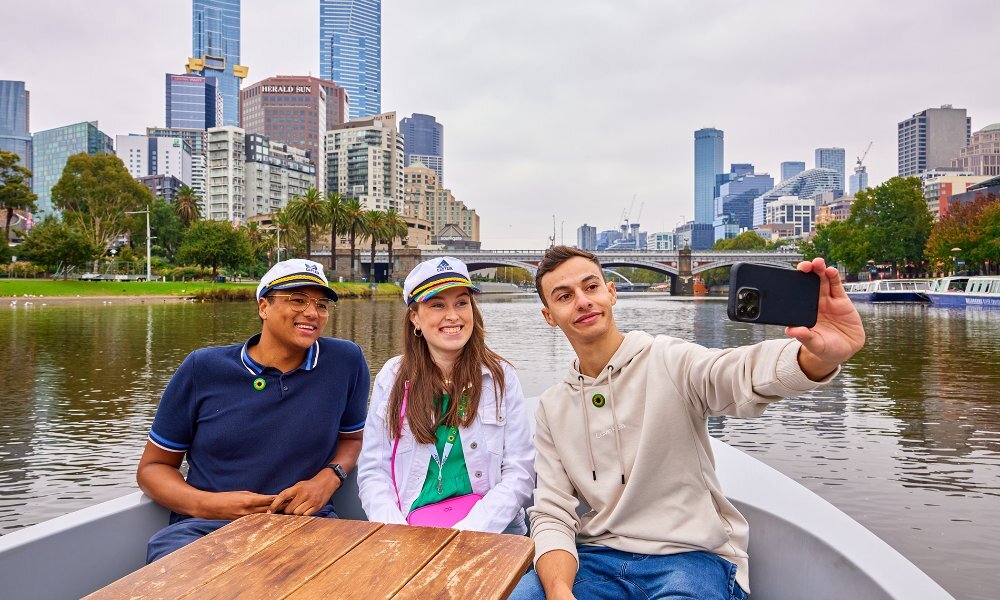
[[293, 273], [434, 275]]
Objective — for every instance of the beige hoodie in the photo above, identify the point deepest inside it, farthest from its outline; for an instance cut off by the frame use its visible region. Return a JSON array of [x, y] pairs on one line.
[[633, 445]]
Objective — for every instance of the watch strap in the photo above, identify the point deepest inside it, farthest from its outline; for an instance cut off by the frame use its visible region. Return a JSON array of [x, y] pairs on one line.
[[338, 471]]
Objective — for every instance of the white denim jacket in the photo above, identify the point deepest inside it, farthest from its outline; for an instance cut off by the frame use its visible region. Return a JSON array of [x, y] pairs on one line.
[[499, 455]]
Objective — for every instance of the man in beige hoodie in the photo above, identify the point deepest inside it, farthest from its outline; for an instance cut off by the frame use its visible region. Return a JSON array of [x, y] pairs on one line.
[[625, 432]]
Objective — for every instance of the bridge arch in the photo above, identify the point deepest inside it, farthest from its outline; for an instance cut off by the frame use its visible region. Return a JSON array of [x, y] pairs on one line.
[[731, 261], [490, 263], [649, 265]]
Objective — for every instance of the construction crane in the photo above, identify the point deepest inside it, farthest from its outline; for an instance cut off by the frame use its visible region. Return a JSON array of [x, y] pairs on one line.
[[861, 158]]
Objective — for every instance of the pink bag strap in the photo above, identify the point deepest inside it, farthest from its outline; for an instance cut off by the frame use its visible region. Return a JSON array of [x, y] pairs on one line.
[[395, 445]]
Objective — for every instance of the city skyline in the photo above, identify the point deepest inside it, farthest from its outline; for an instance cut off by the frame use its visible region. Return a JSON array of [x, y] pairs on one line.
[[624, 123]]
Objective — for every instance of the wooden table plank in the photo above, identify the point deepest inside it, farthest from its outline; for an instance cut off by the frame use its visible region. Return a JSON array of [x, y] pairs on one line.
[[379, 566], [285, 565], [473, 565], [186, 569]]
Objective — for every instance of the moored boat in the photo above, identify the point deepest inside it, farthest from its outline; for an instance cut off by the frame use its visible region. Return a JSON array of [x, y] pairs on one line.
[[889, 290], [966, 291]]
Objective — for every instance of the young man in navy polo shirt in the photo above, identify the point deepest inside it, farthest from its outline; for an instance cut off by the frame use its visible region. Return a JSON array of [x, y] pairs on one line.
[[270, 425]]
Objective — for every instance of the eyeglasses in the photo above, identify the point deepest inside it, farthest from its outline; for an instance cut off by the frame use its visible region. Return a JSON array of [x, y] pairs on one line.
[[300, 302]]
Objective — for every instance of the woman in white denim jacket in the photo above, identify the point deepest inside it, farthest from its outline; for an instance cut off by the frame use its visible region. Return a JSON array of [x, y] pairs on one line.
[[445, 356]]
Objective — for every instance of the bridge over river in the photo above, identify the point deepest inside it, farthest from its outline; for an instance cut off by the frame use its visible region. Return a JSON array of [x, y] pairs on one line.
[[681, 266]]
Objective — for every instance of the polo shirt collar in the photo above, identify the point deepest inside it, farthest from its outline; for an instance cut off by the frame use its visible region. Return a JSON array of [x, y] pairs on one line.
[[255, 368]]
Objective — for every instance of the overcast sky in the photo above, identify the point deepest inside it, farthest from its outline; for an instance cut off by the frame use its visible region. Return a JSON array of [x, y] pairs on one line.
[[565, 108]]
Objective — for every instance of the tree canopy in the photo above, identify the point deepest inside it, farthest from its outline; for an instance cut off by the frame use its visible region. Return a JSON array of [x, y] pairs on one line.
[[214, 244], [53, 242], [15, 194]]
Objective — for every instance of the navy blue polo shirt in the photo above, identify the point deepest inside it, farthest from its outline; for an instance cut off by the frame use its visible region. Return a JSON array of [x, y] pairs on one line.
[[245, 426]]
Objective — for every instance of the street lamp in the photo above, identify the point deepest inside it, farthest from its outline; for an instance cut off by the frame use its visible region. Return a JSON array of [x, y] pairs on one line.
[[149, 266], [954, 258]]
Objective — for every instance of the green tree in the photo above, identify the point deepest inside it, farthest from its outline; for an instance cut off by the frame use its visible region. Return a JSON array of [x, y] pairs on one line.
[[833, 242], [891, 222], [214, 244], [375, 229], [94, 193], [166, 227], [970, 227], [395, 227], [186, 206], [748, 240], [54, 242], [354, 216], [308, 211], [335, 219], [14, 191], [260, 245]]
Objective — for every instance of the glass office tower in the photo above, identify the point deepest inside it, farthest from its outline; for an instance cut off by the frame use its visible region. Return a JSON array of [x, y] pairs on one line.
[[350, 52], [215, 47], [193, 102], [15, 134], [52, 148], [423, 142], [708, 161], [833, 159]]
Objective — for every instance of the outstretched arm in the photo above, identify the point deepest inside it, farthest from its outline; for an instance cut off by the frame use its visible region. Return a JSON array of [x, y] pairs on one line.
[[838, 333]]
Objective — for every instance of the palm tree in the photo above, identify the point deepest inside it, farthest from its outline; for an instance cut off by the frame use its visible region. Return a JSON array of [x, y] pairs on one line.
[[186, 206], [284, 228], [354, 216], [335, 218], [395, 227], [375, 229], [308, 211]]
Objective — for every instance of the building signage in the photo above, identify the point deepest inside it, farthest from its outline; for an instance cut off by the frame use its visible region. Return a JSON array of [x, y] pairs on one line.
[[287, 89]]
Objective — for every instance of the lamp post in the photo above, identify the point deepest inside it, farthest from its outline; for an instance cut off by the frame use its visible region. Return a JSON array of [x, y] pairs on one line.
[[954, 259], [149, 266]]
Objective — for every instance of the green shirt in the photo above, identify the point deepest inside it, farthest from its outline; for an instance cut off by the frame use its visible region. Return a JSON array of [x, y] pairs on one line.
[[454, 478]]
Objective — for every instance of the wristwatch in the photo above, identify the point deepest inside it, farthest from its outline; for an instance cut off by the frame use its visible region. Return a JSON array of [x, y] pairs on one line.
[[339, 470]]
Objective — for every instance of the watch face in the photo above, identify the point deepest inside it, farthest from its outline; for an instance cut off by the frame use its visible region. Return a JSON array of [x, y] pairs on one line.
[[338, 470]]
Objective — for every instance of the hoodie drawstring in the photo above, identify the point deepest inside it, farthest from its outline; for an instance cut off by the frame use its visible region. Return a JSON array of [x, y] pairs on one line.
[[586, 421], [614, 417]]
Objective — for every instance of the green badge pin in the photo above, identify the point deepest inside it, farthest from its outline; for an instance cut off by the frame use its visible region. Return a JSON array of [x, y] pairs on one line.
[[259, 384], [598, 400]]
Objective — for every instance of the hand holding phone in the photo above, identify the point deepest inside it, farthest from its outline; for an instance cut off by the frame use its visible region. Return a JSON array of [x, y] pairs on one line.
[[770, 295]]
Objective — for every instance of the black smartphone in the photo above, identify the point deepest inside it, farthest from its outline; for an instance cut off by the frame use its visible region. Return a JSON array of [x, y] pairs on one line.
[[772, 295]]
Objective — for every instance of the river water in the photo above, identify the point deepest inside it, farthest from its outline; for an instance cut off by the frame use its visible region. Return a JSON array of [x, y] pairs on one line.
[[906, 440]]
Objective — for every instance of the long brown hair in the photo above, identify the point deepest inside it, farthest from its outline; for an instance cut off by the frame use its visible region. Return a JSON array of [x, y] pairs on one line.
[[426, 380]]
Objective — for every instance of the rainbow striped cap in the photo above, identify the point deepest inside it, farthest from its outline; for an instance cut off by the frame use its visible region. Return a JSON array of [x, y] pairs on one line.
[[434, 275]]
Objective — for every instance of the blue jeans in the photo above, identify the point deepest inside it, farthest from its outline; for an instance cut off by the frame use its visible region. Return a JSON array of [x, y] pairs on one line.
[[606, 573], [180, 534]]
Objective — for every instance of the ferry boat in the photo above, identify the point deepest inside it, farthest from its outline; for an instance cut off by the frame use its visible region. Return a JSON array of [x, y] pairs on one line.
[[801, 546], [889, 290], [966, 291]]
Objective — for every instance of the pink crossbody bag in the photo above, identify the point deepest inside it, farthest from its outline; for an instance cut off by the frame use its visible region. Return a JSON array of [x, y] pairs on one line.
[[440, 514]]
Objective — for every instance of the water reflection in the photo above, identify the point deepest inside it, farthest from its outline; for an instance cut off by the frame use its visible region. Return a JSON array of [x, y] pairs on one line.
[[905, 440]]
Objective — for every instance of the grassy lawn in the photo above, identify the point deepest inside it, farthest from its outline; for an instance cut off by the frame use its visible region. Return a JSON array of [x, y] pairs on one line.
[[70, 287]]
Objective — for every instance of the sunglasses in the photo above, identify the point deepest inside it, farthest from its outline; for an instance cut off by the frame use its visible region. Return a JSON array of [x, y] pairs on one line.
[[300, 302]]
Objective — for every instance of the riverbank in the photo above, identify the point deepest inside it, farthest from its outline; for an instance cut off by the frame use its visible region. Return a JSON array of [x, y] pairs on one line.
[[34, 290]]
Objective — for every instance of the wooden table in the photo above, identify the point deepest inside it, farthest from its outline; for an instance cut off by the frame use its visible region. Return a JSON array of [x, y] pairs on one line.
[[278, 556]]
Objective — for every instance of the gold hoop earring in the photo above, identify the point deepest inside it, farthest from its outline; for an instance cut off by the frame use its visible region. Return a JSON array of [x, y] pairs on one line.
[[417, 332]]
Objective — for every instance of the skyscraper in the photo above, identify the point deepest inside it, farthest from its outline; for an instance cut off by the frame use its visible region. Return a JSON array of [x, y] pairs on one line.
[[215, 49], [51, 149], [833, 159], [423, 141], [859, 181], [364, 160], [586, 237], [791, 168], [350, 51], [15, 132], [931, 139], [708, 161], [193, 102]]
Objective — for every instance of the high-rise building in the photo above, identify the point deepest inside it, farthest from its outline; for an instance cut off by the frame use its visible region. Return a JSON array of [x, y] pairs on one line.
[[294, 110], [734, 205], [164, 186], [15, 126], [193, 102], [197, 140], [791, 168], [350, 51], [586, 237], [364, 160], [806, 184], [708, 159], [833, 159], [696, 236], [423, 142], [215, 51], [249, 175], [932, 138], [427, 200], [793, 210], [982, 155], [859, 181], [50, 149], [939, 190], [145, 155]]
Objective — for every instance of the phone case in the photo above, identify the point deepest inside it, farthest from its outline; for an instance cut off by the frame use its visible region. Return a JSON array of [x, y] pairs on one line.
[[786, 296]]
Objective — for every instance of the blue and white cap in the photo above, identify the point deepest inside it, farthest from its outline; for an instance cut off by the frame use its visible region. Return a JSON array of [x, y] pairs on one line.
[[434, 275], [293, 273]]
